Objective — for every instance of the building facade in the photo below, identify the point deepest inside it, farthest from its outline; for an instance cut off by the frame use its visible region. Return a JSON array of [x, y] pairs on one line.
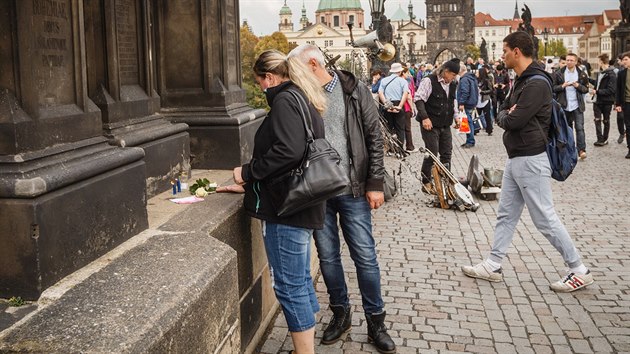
[[588, 36]]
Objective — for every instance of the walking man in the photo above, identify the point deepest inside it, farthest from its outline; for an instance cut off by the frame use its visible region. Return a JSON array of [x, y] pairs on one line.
[[570, 85], [603, 98], [352, 127], [526, 178], [467, 98], [622, 102], [437, 109], [393, 94]]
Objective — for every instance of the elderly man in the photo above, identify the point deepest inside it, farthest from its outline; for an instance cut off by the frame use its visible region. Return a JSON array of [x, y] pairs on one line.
[[437, 108], [352, 127]]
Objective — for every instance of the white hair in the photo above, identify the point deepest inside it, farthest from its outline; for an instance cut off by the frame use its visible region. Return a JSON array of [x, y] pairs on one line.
[[306, 52]]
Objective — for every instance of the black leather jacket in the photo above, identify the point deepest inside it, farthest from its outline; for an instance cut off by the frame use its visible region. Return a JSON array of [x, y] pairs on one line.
[[363, 131], [561, 95]]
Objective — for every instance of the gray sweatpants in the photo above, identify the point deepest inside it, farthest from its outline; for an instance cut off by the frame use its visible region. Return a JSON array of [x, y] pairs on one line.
[[527, 181]]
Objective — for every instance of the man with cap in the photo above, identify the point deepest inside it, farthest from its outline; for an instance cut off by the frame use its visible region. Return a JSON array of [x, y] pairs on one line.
[[393, 94], [437, 108]]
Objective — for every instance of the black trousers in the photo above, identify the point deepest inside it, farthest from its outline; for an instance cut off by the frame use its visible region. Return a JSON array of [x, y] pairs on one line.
[[626, 120], [621, 126], [440, 142], [486, 117], [408, 136], [396, 123], [602, 117]]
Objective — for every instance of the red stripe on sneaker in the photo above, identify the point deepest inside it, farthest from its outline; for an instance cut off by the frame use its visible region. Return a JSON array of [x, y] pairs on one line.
[[577, 280]]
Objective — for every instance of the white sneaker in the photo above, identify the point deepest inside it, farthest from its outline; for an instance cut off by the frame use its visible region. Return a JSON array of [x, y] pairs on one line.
[[572, 282], [483, 271]]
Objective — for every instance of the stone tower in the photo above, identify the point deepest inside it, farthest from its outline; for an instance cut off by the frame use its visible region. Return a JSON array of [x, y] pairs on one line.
[[286, 19], [450, 28], [304, 22]]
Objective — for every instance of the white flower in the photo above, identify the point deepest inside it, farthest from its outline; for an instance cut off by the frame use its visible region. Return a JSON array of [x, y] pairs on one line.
[[201, 192]]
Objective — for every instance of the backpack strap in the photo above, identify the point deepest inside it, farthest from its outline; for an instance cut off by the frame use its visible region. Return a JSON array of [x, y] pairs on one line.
[[540, 77]]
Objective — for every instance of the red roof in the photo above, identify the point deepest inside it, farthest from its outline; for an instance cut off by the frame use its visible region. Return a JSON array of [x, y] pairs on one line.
[[613, 15], [555, 25], [482, 18]]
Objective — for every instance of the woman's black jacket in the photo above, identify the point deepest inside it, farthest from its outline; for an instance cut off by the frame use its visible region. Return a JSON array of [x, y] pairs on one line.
[[279, 146]]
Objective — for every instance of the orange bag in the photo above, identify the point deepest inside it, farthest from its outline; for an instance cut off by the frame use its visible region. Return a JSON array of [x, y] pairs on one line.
[[464, 127]]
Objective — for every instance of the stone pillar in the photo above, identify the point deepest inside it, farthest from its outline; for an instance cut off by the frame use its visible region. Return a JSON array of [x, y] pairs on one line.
[[199, 79], [120, 56], [620, 39], [66, 195]]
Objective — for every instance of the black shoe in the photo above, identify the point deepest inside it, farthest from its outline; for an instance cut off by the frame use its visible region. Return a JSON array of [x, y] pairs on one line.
[[598, 143], [468, 146], [377, 334], [628, 156], [620, 140], [339, 324], [489, 133], [605, 142]]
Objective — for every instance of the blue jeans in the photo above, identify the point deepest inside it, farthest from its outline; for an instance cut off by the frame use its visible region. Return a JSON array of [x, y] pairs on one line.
[[576, 117], [289, 255], [355, 217], [527, 182], [470, 137]]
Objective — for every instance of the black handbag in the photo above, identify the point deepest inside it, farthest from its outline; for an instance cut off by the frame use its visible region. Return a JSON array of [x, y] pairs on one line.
[[318, 177]]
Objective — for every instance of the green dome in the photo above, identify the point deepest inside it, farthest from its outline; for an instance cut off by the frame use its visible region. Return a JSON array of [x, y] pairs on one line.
[[325, 5], [400, 15], [285, 10]]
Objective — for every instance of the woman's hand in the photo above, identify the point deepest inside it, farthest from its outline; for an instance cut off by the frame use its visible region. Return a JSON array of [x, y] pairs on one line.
[[232, 188], [238, 179]]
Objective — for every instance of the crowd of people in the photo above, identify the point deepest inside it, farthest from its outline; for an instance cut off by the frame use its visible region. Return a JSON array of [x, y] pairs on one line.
[[343, 110], [482, 88]]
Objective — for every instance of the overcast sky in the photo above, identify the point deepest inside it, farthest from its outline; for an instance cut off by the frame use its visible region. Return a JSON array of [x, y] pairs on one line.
[[263, 16]]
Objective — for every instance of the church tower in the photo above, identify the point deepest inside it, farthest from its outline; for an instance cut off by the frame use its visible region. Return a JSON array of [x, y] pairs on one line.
[[286, 19], [450, 28], [304, 20], [517, 16]]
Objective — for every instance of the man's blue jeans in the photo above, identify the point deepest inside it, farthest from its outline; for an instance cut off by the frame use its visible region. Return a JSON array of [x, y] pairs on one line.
[[470, 137], [355, 218]]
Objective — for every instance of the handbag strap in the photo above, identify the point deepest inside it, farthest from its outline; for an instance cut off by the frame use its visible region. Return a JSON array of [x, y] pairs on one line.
[[306, 116]]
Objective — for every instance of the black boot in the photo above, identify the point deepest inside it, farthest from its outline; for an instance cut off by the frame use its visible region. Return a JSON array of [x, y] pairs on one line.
[[377, 333], [339, 324]]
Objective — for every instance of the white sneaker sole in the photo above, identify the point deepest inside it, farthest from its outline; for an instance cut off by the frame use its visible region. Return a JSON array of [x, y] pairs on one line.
[[472, 274]]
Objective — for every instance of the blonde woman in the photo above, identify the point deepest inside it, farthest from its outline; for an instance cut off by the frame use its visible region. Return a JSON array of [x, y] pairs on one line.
[[279, 145]]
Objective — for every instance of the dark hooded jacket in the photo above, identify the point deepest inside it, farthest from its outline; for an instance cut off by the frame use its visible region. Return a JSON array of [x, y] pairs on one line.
[[363, 133], [279, 146], [532, 97], [607, 88]]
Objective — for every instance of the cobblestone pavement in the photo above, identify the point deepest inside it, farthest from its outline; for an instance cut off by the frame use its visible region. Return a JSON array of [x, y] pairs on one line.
[[432, 307]]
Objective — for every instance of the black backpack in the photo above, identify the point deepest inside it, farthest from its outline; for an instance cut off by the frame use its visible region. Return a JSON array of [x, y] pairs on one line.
[[561, 148]]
